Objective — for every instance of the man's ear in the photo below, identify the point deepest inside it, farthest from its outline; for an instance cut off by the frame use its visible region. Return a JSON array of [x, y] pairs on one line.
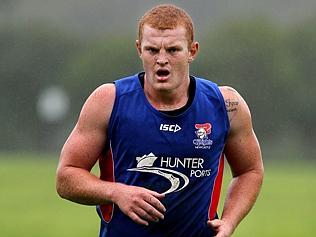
[[194, 49], [139, 48]]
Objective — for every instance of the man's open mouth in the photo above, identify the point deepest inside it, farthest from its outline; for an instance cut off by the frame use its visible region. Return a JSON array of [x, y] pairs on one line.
[[162, 72]]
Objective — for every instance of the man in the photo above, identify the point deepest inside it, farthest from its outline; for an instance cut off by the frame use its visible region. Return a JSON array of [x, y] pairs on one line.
[[160, 137]]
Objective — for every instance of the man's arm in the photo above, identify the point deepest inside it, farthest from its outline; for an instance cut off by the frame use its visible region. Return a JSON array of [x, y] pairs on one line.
[[243, 154], [82, 150]]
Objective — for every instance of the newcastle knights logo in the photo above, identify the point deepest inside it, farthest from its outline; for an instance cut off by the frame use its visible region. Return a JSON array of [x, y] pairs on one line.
[[202, 133]]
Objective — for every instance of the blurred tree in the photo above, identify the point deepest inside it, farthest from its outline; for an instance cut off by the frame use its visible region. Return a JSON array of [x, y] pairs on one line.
[[302, 46], [100, 62], [6, 4], [32, 58]]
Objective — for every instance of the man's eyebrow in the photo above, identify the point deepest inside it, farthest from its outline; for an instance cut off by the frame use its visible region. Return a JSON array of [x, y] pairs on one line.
[[151, 47], [176, 46]]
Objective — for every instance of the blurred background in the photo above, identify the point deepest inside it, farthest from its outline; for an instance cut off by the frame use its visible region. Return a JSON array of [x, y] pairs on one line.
[[53, 54]]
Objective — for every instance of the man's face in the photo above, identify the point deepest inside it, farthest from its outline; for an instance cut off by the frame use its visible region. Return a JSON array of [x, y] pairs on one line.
[[166, 56]]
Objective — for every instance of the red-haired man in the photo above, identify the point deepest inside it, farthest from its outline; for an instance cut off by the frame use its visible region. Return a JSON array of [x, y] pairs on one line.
[[160, 137]]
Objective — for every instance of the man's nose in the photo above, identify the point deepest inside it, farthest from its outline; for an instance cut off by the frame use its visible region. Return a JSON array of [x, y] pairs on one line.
[[162, 58]]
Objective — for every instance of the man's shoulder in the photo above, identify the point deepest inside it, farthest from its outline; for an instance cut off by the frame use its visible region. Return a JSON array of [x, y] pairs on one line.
[[229, 92], [128, 84], [209, 88], [102, 98], [104, 92], [110, 90], [236, 107], [204, 80], [125, 80]]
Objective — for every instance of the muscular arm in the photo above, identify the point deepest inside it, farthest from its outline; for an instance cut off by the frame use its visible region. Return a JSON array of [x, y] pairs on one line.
[[243, 154], [82, 150]]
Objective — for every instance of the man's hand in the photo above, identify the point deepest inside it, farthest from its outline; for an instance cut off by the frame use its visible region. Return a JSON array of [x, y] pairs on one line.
[[140, 204], [221, 227]]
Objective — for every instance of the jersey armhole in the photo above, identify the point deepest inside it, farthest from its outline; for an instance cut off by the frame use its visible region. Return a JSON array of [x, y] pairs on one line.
[[113, 113], [226, 118]]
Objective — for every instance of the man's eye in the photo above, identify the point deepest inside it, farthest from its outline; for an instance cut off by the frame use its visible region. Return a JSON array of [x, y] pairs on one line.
[[152, 50], [172, 50]]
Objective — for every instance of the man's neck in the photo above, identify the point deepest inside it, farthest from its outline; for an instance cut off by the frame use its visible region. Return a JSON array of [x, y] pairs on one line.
[[167, 99], [169, 103]]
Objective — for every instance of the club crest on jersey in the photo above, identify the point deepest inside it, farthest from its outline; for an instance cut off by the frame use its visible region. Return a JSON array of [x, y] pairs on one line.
[[202, 132]]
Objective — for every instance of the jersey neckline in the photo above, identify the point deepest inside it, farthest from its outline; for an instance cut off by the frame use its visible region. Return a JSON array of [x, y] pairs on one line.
[[160, 113]]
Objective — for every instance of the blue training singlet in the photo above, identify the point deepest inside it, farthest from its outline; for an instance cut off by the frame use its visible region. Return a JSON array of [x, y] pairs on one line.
[[181, 156]]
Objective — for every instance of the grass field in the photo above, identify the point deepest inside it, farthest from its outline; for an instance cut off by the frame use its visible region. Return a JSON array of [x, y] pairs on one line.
[[29, 205]]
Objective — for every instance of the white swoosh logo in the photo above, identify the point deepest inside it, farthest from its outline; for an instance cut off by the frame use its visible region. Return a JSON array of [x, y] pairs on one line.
[[175, 182]]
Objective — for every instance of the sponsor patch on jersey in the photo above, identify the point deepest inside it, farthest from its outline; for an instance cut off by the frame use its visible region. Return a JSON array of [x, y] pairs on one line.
[[202, 132], [165, 168], [169, 127]]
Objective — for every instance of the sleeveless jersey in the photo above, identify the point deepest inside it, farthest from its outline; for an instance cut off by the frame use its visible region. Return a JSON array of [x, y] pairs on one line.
[[181, 156]]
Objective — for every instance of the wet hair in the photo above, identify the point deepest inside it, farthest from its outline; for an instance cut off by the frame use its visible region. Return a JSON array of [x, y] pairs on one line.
[[167, 16]]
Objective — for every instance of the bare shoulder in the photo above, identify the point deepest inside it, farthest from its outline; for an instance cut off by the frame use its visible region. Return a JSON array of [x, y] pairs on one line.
[[242, 149], [104, 94], [236, 107], [231, 98], [86, 141], [98, 107]]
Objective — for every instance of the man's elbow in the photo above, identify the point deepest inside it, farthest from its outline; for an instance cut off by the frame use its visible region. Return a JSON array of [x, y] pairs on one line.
[[258, 175], [61, 183], [261, 171]]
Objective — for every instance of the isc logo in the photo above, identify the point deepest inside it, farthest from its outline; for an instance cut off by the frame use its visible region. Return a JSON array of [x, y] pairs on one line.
[[170, 128]]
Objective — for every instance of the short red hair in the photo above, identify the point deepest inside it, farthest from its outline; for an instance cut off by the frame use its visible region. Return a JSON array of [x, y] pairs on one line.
[[167, 16]]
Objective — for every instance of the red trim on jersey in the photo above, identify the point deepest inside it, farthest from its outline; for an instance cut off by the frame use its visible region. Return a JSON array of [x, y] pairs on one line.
[[107, 173], [216, 189]]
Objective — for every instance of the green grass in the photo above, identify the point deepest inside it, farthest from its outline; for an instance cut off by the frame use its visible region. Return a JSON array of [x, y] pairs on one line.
[[286, 205], [29, 204]]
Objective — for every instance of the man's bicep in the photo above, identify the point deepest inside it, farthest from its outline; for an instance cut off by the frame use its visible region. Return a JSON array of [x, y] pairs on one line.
[[88, 139], [242, 148], [243, 153], [82, 149]]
